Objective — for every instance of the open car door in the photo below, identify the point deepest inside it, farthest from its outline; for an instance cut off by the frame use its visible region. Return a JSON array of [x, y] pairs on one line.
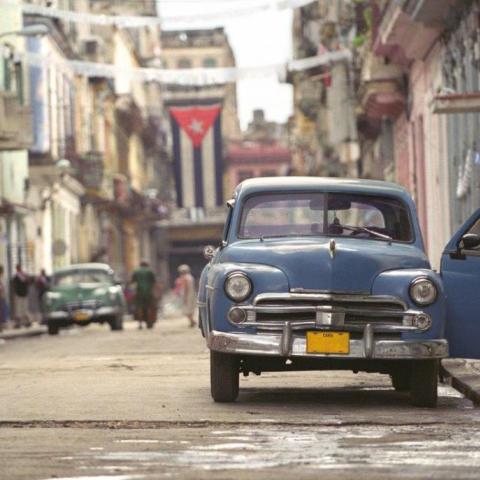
[[460, 268]]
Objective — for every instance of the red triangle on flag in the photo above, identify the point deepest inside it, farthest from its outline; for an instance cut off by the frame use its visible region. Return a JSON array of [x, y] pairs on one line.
[[196, 121]]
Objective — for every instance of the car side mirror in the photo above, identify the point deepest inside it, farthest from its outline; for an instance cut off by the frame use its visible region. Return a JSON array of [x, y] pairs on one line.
[[469, 241], [209, 252]]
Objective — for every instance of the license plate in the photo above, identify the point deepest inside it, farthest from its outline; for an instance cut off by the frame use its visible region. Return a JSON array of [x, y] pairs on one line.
[[81, 315], [328, 342]]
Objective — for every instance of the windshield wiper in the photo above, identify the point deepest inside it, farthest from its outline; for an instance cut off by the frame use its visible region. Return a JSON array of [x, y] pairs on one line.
[[367, 230]]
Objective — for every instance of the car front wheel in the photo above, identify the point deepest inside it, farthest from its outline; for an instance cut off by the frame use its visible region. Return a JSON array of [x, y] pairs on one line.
[[424, 383], [224, 377], [401, 381]]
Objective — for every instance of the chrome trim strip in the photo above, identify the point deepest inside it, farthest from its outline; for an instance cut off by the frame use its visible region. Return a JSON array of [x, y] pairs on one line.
[[331, 309], [209, 287], [201, 304], [272, 345], [322, 297], [276, 326]]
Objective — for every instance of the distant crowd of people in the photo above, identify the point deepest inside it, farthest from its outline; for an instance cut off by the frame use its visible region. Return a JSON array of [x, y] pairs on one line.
[[144, 293], [27, 294]]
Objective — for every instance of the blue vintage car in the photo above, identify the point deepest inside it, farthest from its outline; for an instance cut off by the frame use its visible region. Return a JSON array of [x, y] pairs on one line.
[[322, 273]]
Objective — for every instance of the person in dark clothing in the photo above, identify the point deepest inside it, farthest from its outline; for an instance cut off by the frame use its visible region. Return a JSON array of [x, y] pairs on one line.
[[42, 282], [3, 301], [20, 284], [144, 280]]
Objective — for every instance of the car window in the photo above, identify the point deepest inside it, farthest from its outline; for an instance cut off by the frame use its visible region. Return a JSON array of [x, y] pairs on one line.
[[75, 277], [337, 214]]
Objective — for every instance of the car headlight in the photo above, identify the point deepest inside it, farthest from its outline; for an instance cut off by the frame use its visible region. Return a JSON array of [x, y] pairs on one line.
[[238, 286], [423, 291]]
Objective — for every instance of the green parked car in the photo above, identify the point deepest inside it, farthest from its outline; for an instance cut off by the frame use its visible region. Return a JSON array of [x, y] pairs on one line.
[[81, 294]]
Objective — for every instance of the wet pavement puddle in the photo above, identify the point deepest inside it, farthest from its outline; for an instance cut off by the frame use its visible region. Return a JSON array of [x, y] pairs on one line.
[[269, 447]]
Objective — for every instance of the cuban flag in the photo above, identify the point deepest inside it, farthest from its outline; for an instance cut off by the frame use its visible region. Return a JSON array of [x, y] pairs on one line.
[[197, 151]]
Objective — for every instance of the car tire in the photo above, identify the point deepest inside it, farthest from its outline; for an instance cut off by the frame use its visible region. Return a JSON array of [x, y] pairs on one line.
[[53, 329], [401, 381], [116, 323], [424, 383], [224, 377]]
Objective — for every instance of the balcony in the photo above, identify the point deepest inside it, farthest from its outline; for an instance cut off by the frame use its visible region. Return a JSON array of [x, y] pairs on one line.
[[16, 130], [382, 92], [408, 28]]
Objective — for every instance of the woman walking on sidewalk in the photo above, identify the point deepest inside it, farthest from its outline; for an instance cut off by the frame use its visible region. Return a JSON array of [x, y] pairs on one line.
[[186, 290]]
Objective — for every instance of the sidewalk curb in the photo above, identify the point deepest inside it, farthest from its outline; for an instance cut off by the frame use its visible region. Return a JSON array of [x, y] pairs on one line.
[[31, 332], [464, 377]]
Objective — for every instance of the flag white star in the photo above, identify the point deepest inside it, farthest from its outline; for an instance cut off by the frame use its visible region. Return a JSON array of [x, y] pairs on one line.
[[196, 126]]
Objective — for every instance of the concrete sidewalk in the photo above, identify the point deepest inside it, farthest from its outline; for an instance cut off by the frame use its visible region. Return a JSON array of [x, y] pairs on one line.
[[22, 332], [464, 376]]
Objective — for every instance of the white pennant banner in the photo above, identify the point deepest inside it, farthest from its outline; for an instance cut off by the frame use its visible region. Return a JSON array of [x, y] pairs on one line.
[[131, 21], [184, 77]]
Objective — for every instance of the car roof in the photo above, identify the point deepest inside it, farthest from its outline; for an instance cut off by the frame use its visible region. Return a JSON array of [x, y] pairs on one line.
[[351, 185], [85, 266]]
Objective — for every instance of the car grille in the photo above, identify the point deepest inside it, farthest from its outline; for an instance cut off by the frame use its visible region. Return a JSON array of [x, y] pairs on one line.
[[81, 305], [355, 311]]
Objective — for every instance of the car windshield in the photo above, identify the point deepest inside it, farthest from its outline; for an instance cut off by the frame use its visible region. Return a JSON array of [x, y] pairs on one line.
[[74, 277], [337, 214]]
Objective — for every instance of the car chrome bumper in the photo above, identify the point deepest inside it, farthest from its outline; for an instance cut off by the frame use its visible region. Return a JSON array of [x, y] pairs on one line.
[[295, 346], [62, 316]]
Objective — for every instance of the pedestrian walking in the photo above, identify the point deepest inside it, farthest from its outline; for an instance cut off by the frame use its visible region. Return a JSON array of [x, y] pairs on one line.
[[185, 286], [144, 281], [3, 302], [20, 284], [42, 285]]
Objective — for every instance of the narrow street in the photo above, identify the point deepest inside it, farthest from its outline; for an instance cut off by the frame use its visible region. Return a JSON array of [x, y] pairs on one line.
[[95, 404]]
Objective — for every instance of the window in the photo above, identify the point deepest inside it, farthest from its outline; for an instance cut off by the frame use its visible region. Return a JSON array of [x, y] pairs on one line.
[[332, 214], [209, 62], [184, 63]]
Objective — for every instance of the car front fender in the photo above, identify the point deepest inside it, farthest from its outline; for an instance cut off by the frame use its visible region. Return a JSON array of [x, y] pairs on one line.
[[397, 283], [264, 278]]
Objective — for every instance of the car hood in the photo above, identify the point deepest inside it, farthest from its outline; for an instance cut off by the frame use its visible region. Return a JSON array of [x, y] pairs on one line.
[[309, 263]]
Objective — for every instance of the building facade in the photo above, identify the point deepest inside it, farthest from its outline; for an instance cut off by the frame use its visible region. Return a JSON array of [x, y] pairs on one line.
[[321, 144], [189, 230], [421, 98]]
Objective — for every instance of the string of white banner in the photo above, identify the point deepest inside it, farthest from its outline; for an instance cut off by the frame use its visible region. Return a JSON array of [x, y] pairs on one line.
[[183, 77], [136, 21]]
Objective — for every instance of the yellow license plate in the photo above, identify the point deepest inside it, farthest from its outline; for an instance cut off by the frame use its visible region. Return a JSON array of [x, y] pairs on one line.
[[80, 316], [328, 342]]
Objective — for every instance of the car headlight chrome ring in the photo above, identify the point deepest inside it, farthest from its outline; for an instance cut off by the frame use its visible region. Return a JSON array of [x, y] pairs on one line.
[[238, 286], [423, 291]]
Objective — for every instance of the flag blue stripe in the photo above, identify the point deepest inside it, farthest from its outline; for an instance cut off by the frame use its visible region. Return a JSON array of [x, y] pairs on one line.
[[177, 157], [217, 136], [198, 175]]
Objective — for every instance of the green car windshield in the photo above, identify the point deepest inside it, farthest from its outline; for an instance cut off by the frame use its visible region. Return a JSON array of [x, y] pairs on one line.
[[332, 214], [74, 277]]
